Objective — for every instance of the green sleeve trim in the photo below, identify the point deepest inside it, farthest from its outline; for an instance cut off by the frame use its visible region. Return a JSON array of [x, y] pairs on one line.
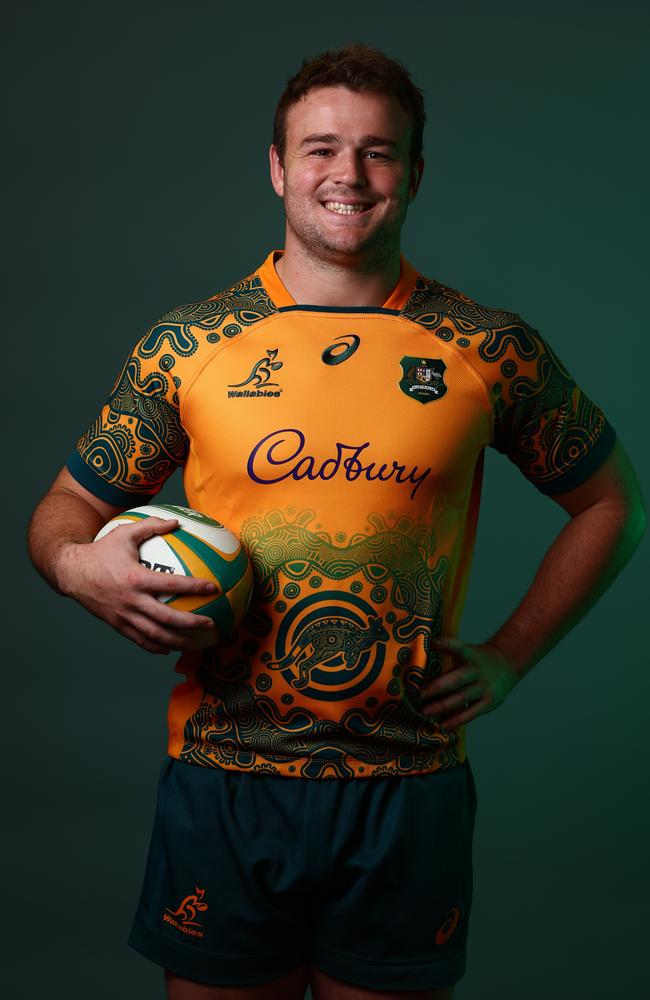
[[107, 492], [585, 468]]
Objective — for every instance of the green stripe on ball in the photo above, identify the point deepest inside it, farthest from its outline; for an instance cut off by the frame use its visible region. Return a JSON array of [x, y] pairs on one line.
[[227, 571], [220, 611]]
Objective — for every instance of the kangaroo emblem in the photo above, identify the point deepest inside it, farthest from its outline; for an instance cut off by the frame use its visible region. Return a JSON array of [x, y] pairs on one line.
[[324, 640], [261, 372], [189, 907]]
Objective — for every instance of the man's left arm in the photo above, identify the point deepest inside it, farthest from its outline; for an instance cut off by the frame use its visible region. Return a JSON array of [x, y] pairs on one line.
[[607, 522]]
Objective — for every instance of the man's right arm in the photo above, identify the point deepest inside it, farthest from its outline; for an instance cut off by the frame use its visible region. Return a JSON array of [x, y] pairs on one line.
[[106, 577], [67, 516]]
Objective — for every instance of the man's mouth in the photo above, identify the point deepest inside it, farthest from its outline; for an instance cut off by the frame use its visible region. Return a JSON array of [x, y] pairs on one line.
[[340, 208]]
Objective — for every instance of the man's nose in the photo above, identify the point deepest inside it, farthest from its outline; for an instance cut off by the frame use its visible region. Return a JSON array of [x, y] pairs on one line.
[[349, 168]]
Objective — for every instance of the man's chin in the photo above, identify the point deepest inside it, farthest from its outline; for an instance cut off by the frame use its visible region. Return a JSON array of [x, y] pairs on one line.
[[353, 248], [344, 246]]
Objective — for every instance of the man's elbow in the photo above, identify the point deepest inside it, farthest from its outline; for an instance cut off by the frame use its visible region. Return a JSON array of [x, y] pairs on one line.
[[637, 520], [629, 519]]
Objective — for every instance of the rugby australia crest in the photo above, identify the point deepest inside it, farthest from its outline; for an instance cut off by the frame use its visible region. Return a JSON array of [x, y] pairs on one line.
[[423, 379]]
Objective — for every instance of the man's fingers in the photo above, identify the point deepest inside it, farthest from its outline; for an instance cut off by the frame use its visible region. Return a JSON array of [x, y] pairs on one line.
[[157, 635], [171, 618], [141, 640], [132, 593], [446, 683], [154, 582], [150, 526], [450, 644]]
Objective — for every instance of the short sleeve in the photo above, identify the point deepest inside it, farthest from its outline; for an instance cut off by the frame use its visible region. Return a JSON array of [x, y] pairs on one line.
[[543, 421], [137, 441]]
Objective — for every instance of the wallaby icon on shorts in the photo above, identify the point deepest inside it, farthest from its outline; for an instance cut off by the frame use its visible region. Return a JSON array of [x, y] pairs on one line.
[[189, 907]]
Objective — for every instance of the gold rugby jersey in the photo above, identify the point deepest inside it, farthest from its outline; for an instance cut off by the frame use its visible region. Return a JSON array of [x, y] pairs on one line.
[[345, 447]]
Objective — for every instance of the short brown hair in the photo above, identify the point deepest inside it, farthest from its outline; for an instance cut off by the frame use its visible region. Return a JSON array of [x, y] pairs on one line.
[[360, 68]]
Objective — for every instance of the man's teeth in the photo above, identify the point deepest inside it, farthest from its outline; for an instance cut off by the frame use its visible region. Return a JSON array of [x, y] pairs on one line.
[[337, 206]]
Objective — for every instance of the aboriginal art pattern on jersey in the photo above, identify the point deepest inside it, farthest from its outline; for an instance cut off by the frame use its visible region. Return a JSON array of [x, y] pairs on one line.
[[334, 676], [542, 421], [138, 430], [138, 440]]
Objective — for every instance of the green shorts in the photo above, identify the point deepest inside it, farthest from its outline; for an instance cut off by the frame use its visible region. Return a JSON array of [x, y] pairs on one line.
[[251, 875]]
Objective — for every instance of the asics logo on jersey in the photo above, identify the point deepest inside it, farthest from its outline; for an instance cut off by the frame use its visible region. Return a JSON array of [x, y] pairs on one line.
[[281, 455], [337, 353], [260, 377]]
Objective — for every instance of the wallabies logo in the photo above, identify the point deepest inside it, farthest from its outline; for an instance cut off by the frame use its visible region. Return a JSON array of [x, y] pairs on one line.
[[183, 918], [259, 378]]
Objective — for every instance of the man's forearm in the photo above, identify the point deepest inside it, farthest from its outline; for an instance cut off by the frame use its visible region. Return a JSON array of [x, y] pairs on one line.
[[583, 561], [60, 518]]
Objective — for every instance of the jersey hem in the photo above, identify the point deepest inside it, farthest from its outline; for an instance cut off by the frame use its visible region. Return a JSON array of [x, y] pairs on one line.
[[313, 769]]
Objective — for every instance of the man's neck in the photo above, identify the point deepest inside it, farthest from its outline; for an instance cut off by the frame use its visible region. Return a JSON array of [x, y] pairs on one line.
[[324, 283]]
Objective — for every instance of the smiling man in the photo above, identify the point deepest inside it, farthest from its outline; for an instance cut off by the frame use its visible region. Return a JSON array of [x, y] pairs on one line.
[[344, 163], [316, 809]]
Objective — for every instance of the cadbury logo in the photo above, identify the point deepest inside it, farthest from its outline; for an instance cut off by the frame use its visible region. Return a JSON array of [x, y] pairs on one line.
[[281, 455]]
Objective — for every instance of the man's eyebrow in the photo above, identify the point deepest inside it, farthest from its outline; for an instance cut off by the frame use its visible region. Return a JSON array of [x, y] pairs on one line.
[[332, 138], [377, 140], [325, 137]]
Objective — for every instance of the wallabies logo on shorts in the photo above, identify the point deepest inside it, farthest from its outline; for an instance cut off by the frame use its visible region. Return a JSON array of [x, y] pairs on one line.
[[186, 913]]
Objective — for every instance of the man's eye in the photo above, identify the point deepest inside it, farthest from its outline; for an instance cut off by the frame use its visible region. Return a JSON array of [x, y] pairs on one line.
[[374, 153], [316, 152]]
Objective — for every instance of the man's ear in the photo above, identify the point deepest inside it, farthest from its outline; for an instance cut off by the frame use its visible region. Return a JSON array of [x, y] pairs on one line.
[[277, 171], [416, 177]]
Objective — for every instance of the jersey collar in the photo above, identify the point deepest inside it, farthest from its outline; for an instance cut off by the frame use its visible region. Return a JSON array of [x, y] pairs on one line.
[[281, 297]]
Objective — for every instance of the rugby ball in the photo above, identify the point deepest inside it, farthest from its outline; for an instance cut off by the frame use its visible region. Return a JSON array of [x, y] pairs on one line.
[[199, 547]]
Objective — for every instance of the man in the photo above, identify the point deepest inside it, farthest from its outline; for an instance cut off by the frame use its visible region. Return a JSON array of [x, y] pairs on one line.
[[316, 811]]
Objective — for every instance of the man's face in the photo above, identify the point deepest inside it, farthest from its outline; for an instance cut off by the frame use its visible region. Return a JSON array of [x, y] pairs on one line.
[[346, 178]]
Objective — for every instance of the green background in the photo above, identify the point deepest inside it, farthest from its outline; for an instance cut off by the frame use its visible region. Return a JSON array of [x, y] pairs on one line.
[[138, 181]]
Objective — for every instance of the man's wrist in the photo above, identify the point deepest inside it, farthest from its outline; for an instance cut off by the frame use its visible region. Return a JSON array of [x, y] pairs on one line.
[[516, 653], [65, 565]]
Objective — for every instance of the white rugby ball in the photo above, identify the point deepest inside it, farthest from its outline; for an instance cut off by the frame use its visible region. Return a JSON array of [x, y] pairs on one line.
[[201, 547]]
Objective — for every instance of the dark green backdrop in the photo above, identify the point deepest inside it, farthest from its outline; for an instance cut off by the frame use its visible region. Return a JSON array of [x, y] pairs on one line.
[[138, 153]]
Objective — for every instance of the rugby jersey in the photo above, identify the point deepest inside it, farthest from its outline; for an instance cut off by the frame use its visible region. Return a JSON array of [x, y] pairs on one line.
[[345, 447]]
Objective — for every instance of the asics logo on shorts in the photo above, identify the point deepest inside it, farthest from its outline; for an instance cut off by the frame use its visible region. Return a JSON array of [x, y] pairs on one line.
[[448, 927]]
